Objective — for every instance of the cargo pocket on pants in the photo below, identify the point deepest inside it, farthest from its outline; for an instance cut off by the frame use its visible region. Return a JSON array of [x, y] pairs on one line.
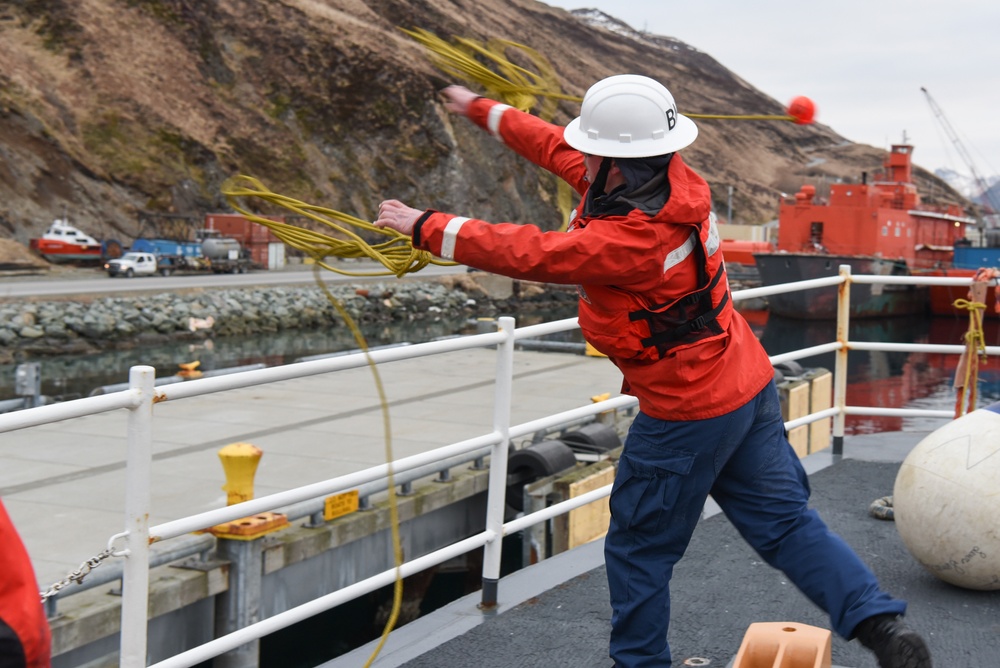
[[644, 496]]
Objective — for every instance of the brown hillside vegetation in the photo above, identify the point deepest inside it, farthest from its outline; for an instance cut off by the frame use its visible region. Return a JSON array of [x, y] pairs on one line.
[[109, 108], [15, 256]]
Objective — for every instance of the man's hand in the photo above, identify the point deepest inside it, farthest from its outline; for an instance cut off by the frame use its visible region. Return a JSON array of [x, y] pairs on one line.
[[397, 216], [457, 99]]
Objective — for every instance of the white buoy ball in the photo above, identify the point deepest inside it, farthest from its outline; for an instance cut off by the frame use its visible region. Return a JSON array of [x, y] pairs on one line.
[[947, 501]]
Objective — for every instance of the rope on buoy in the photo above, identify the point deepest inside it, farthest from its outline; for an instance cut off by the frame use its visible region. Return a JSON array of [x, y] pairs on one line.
[[881, 509]]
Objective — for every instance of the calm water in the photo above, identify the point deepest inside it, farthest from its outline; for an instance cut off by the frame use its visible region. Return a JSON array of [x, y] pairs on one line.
[[876, 378], [895, 380]]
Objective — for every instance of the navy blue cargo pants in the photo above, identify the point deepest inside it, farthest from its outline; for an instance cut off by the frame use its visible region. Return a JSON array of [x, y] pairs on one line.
[[744, 461]]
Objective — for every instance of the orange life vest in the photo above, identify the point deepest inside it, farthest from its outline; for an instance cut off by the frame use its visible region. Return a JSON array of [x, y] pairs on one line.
[[646, 326], [653, 290]]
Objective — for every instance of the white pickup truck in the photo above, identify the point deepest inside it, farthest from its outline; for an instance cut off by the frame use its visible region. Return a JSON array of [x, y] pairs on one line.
[[138, 264]]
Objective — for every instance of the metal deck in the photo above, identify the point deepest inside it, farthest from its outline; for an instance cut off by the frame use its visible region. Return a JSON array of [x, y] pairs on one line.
[[556, 614]]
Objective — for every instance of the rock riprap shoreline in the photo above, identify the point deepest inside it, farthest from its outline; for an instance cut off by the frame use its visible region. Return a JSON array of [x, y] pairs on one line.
[[80, 325]]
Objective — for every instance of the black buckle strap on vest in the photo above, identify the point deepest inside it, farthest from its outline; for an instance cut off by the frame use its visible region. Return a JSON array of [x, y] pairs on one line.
[[689, 318], [690, 327], [682, 322], [693, 298]]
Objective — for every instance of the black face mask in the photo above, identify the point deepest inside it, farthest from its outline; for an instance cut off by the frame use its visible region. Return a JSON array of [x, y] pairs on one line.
[[646, 187], [600, 203], [640, 171]]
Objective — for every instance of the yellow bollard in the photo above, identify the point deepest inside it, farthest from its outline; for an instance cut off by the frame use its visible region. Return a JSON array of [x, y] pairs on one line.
[[239, 461], [605, 417], [784, 645], [189, 370]]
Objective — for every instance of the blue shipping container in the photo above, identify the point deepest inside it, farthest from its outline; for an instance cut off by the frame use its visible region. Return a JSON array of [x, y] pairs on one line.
[[168, 247]]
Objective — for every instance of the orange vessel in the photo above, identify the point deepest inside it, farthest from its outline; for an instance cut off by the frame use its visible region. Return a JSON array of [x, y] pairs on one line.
[[968, 263], [881, 227]]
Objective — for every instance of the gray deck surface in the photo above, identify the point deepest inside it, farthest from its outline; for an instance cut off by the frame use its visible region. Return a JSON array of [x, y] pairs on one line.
[[719, 588]]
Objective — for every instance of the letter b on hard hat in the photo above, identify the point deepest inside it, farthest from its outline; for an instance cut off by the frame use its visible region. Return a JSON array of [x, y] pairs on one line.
[[629, 116]]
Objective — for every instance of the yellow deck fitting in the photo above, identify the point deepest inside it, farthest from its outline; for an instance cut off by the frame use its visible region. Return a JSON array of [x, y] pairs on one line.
[[784, 645], [189, 370], [250, 528], [239, 461], [607, 417]]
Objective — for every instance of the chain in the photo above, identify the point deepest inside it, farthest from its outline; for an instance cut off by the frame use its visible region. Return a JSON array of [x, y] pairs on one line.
[[84, 570]]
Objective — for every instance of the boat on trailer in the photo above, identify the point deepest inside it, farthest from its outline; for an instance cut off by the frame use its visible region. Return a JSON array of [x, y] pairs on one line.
[[64, 243]]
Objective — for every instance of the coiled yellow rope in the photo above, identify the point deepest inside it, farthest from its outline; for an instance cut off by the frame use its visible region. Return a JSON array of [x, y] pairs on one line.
[[396, 254], [397, 544], [975, 339], [975, 349], [515, 85], [470, 61]]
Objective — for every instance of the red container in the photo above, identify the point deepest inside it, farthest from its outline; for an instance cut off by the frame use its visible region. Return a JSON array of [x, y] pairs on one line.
[[261, 234], [258, 253], [240, 228]]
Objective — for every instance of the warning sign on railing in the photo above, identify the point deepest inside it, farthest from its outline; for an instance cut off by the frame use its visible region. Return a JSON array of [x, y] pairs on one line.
[[339, 505]]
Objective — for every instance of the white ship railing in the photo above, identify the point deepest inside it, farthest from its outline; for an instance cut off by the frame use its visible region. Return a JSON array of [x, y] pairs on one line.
[[141, 397]]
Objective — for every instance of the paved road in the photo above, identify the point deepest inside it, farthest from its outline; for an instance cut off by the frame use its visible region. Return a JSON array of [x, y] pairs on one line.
[[67, 282]]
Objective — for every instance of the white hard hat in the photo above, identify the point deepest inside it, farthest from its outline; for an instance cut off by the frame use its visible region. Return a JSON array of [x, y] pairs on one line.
[[629, 116]]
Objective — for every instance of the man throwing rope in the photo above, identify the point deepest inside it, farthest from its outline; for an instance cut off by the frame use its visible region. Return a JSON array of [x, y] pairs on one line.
[[643, 247]]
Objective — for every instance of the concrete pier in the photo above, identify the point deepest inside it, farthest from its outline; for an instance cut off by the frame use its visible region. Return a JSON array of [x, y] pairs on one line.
[[63, 483]]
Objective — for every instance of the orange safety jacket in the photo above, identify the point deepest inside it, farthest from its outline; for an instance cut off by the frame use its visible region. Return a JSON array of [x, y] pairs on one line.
[[653, 291], [24, 630]]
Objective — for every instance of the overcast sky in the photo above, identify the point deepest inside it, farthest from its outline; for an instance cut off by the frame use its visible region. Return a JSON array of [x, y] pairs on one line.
[[863, 62]]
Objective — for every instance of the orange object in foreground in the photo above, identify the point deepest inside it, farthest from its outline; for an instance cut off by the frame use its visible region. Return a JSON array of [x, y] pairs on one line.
[[784, 645]]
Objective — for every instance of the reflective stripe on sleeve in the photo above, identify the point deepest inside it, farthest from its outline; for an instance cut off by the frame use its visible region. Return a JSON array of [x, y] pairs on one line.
[[451, 236], [677, 255], [712, 243], [493, 119]]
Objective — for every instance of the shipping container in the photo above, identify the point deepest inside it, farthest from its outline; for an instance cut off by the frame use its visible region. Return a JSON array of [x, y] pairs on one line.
[[267, 255], [258, 253], [167, 247], [276, 255], [240, 228]]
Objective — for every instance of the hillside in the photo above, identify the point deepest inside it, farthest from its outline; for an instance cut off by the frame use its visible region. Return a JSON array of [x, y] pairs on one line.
[[112, 108]]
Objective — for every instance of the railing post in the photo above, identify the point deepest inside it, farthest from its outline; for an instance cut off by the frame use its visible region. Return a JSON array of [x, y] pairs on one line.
[[138, 465], [241, 544], [840, 366], [496, 495], [239, 606]]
